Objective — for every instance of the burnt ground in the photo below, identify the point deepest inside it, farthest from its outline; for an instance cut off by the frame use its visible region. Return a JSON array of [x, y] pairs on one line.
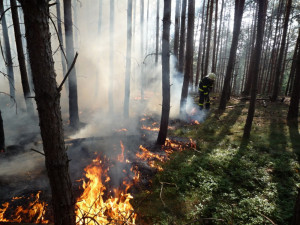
[[26, 175]]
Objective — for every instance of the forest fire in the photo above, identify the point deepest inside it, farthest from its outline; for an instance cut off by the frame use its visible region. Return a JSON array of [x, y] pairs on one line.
[[34, 212], [98, 204]]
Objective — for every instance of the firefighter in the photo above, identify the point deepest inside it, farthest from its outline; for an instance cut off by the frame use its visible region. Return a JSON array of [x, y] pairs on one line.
[[205, 86]]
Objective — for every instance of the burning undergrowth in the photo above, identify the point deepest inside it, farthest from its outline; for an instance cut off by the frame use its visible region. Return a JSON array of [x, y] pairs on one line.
[[115, 168]]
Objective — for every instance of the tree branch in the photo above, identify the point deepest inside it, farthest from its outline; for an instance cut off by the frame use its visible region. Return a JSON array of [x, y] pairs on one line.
[[71, 67]]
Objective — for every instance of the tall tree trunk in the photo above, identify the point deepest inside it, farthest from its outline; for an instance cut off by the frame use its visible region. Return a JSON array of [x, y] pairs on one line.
[[111, 56], [165, 74], [8, 62], [281, 52], [128, 59], [294, 103], [214, 64], [157, 31], [296, 216], [177, 26], [73, 98], [100, 17], [21, 57], [47, 96], [189, 57], [293, 67], [238, 15], [262, 8], [2, 136], [208, 37], [142, 47], [200, 47], [60, 36], [182, 36], [204, 41]]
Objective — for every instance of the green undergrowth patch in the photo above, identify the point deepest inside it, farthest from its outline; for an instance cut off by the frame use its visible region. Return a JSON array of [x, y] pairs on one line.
[[227, 180]]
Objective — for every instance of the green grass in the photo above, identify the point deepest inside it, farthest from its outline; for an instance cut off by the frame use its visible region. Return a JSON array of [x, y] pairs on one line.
[[228, 180]]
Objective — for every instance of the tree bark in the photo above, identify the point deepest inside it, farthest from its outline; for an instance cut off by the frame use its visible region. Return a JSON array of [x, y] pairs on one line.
[[60, 36], [238, 15], [177, 26], [200, 47], [73, 98], [207, 51], [21, 58], [281, 52], [262, 8], [182, 36], [128, 59], [165, 74], [142, 48], [9, 63], [157, 31], [189, 57], [295, 96], [2, 136], [47, 96], [111, 56], [214, 59]]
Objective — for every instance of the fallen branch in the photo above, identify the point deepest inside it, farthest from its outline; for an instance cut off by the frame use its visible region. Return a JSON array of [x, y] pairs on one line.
[[71, 67], [161, 190], [37, 151]]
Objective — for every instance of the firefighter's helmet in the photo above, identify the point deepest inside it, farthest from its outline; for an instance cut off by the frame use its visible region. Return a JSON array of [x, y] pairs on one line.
[[211, 76]]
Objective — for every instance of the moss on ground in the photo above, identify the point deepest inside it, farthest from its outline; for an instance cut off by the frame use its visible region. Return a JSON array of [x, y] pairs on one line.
[[228, 180]]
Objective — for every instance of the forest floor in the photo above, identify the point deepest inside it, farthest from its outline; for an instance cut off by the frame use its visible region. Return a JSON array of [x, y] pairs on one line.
[[226, 180]]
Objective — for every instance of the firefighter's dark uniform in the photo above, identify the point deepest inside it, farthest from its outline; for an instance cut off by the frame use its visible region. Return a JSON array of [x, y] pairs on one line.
[[205, 86]]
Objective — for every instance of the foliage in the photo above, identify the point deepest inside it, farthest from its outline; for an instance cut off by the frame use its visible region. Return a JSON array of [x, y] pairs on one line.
[[227, 180]]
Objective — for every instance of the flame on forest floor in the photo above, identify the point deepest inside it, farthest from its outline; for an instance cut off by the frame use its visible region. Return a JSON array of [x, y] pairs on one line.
[[34, 212], [99, 205], [154, 160]]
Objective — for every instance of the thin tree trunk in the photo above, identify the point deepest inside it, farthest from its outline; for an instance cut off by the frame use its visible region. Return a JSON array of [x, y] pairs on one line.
[[111, 56], [128, 59], [165, 74], [296, 216], [189, 57], [157, 31], [8, 62], [294, 103], [204, 41], [262, 8], [73, 98], [2, 136], [208, 37], [60, 36], [21, 57], [182, 36], [238, 15], [200, 47], [177, 26], [142, 47], [214, 64], [36, 14], [100, 17], [281, 52]]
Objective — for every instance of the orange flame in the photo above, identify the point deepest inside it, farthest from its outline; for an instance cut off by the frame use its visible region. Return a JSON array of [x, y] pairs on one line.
[[150, 128], [33, 213], [98, 206]]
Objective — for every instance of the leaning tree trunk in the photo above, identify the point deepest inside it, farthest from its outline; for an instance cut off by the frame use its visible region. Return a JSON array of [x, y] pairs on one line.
[[73, 98], [21, 58], [281, 52], [47, 96], [262, 8], [162, 135], [2, 136], [238, 15], [182, 37], [295, 96], [189, 57], [128, 59], [9, 63]]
